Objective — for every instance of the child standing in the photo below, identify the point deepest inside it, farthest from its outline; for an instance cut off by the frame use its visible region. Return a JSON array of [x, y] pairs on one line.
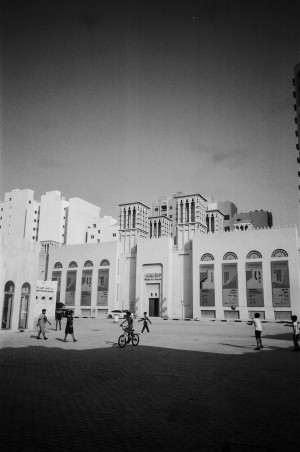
[[258, 330], [145, 319], [295, 333]]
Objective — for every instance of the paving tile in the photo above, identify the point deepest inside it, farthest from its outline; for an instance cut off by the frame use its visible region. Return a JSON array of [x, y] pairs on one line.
[[188, 386]]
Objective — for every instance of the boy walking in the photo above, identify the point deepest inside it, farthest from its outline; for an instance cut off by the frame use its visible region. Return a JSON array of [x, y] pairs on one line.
[[145, 319], [258, 330], [41, 323], [69, 326]]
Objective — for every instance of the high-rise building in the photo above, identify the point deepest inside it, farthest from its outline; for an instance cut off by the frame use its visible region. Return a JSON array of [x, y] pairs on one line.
[[296, 94], [104, 229], [80, 215], [252, 220], [53, 218], [19, 215]]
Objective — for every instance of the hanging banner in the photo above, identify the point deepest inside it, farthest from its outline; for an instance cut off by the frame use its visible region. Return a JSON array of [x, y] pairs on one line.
[[102, 289], [56, 276], [86, 288], [280, 284], [70, 288], [230, 285], [207, 285], [45, 297], [254, 284]]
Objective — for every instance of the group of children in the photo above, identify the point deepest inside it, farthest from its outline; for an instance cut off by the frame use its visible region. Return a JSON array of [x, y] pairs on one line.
[[42, 321], [258, 330]]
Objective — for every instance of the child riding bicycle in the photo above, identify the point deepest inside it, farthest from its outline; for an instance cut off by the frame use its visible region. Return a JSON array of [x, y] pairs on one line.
[[129, 320]]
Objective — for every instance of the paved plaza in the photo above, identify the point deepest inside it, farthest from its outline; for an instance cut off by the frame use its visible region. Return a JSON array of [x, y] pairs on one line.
[[188, 386]]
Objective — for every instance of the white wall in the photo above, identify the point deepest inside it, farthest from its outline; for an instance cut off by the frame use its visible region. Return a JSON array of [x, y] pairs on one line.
[[19, 264], [80, 215], [53, 214]]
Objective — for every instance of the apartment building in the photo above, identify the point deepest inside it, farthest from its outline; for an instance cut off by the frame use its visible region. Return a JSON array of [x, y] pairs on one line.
[[19, 215]]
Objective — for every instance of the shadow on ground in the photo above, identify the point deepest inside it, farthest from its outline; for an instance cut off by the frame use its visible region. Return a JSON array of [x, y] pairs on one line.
[[148, 399]]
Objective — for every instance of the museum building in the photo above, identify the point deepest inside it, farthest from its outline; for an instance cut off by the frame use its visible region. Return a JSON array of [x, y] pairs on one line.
[[225, 275]]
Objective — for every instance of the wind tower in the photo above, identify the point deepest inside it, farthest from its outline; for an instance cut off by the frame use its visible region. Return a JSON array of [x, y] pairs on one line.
[[190, 218], [133, 222]]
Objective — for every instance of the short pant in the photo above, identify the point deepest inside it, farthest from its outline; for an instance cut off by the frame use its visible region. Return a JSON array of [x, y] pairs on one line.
[[257, 334]]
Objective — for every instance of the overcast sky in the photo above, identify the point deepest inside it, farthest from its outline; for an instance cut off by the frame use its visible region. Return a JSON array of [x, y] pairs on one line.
[[123, 101]]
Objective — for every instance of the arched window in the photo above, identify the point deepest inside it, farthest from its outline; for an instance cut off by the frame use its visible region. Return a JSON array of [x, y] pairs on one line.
[[229, 256], [73, 264], [88, 264], [254, 255], [279, 253], [58, 265], [207, 257], [24, 305], [9, 290], [104, 263]]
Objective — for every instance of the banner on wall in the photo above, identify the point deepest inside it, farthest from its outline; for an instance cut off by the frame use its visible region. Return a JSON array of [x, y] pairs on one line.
[[45, 298], [230, 285], [207, 285], [56, 276], [70, 288], [280, 284], [86, 288], [102, 287], [254, 284]]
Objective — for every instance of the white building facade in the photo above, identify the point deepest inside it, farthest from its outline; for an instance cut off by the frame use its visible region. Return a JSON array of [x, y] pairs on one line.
[[220, 276]]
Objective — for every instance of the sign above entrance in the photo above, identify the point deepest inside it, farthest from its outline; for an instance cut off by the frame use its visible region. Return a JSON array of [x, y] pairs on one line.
[[152, 276]]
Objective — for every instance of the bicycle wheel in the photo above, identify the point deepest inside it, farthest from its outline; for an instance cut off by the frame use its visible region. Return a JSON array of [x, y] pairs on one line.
[[122, 341], [135, 339]]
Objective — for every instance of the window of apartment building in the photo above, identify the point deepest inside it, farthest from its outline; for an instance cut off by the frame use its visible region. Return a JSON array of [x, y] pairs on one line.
[[156, 209], [171, 207], [34, 229], [92, 236], [34, 220], [227, 228], [94, 225], [29, 202], [226, 217], [98, 231], [114, 234]]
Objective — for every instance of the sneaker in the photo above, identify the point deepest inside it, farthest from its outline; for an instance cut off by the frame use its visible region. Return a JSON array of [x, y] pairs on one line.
[[45, 338], [64, 340], [39, 338], [257, 348], [261, 346], [74, 340]]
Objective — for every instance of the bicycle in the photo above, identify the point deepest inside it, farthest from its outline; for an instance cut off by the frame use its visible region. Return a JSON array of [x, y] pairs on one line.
[[127, 336]]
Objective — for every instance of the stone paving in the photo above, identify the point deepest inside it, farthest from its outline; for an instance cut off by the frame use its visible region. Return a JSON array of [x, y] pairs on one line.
[[188, 386]]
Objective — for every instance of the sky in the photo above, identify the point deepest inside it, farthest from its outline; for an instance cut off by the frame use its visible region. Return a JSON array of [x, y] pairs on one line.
[[124, 101]]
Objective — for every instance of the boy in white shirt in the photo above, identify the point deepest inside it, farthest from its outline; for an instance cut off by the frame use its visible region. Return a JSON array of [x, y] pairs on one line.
[[295, 333], [258, 330]]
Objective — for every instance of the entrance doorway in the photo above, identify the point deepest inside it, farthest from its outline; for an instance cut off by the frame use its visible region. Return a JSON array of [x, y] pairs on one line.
[[153, 307]]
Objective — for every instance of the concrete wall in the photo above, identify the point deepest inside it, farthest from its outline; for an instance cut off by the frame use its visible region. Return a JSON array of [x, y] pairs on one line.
[[19, 260]]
